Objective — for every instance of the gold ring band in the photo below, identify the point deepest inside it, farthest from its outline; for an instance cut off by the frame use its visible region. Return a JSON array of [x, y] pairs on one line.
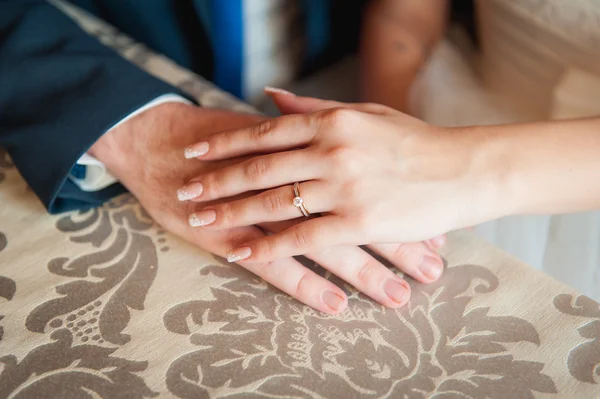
[[298, 201]]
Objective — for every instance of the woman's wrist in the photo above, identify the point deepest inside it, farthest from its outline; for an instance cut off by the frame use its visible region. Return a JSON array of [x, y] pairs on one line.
[[499, 156], [536, 168], [490, 184], [466, 169]]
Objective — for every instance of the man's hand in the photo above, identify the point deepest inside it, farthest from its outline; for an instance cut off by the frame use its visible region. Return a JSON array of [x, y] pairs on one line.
[[146, 154]]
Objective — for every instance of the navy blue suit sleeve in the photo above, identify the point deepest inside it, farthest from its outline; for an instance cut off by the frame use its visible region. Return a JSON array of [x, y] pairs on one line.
[[60, 90]]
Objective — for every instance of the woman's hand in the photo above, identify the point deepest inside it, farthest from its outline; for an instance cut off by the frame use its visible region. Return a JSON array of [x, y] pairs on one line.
[[145, 154], [377, 176]]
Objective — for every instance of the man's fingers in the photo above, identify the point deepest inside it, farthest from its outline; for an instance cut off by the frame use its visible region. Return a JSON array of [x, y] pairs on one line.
[[311, 235], [414, 259], [361, 270], [286, 274], [365, 273], [301, 283]]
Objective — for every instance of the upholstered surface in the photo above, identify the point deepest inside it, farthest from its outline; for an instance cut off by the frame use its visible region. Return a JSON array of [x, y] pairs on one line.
[[106, 304]]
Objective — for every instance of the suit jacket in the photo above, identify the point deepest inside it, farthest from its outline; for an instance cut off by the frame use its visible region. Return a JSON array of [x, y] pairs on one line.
[[60, 89], [210, 37]]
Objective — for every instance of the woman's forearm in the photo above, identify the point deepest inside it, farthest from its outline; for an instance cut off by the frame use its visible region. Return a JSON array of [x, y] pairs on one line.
[[542, 168]]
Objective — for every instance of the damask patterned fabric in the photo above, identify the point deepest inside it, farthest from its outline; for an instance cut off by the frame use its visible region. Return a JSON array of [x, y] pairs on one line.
[[106, 304]]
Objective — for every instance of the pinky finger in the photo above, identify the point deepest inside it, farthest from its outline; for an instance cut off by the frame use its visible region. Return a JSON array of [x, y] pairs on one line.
[[308, 236]]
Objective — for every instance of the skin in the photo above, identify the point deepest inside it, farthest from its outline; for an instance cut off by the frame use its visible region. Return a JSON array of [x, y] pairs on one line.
[[146, 154], [405, 181], [404, 33], [396, 40]]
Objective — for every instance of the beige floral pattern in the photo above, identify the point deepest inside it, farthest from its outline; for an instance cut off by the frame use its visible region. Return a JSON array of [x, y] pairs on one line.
[[109, 282], [7, 285], [62, 369], [99, 306], [584, 359], [87, 318], [7, 291], [252, 338]]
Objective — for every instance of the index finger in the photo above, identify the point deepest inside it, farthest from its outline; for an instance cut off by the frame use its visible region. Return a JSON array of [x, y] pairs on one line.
[[271, 135]]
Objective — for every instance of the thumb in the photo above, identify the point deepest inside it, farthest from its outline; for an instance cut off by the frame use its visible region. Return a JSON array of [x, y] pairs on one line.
[[289, 103]]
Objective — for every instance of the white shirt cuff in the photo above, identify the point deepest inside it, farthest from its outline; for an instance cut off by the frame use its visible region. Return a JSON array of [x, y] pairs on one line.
[[97, 177]]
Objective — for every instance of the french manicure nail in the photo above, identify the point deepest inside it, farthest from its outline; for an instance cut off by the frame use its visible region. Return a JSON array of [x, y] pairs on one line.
[[196, 150], [190, 191], [431, 267], [333, 300], [202, 218], [274, 90], [238, 254], [396, 290]]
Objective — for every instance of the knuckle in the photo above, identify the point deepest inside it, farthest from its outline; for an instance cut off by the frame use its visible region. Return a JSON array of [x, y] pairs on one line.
[[336, 117], [225, 214], [263, 269], [237, 237], [303, 286], [402, 251], [366, 273], [376, 108], [354, 189], [273, 203], [362, 219], [218, 143], [344, 158], [263, 250], [255, 169], [263, 129], [300, 238], [212, 186]]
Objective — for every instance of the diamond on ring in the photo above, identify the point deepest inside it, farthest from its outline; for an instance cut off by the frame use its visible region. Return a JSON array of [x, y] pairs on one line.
[[299, 202]]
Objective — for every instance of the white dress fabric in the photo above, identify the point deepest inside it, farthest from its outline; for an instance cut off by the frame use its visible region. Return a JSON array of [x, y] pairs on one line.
[[450, 93]]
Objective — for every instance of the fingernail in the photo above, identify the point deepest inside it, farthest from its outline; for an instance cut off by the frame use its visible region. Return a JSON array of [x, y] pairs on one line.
[[202, 218], [196, 150], [238, 254], [396, 290], [274, 90], [431, 267], [190, 191], [438, 241], [333, 300]]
